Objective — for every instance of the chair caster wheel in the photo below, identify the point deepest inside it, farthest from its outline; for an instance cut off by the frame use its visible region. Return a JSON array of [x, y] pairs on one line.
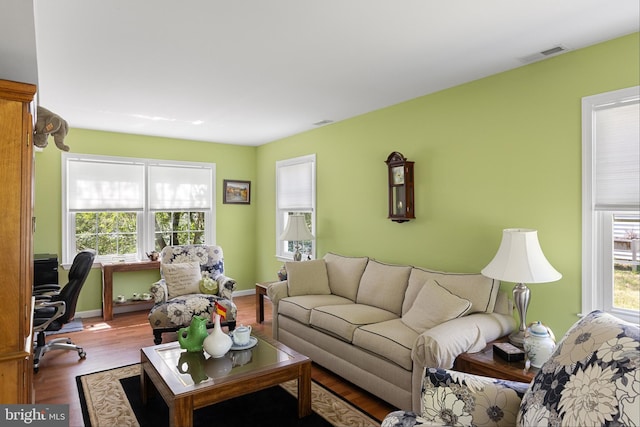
[[82, 354]]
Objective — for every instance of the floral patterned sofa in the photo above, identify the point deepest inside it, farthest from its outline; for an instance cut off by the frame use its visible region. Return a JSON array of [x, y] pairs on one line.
[[591, 379], [191, 282]]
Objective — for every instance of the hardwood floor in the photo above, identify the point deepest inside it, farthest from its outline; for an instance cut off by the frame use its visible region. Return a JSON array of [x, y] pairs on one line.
[[118, 342]]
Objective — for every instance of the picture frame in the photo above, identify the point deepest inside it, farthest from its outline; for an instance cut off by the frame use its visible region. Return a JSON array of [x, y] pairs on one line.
[[236, 192]]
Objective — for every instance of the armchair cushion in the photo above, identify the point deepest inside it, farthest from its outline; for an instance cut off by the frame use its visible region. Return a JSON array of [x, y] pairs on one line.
[[208, 286], [177, 312], [182, 278]]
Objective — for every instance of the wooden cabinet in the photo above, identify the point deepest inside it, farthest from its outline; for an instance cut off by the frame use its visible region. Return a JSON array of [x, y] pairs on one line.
[[16, 259]]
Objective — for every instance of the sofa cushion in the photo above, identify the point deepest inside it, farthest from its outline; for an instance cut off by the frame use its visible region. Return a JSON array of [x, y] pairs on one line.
[[478, 289], [307, 277], [341, 320], [182, 278], [592, 378], [391, 339], [299, 308], [432, 306], [344, 274], [383, 286]]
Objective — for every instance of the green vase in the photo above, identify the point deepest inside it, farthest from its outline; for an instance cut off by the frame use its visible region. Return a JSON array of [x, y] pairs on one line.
[[192, 337]]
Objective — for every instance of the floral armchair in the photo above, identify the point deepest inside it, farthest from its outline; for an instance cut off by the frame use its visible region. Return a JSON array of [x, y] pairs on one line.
[[191, 282], [591, 379]]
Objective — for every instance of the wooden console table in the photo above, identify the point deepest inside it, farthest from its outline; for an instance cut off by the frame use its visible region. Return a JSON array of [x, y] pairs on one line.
[[107, 281]]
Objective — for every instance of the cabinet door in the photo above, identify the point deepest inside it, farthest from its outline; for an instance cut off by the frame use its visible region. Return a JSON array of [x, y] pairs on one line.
[[16, 166]]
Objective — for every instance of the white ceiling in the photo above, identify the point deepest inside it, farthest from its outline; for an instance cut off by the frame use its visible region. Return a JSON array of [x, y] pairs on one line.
[[253, 71]]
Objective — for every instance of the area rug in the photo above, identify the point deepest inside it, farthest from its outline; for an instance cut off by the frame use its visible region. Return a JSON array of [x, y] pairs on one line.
[[73, 326], [112, 398]]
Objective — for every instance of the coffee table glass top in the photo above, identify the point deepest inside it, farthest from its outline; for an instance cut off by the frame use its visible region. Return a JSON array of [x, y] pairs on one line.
[[199, 369]]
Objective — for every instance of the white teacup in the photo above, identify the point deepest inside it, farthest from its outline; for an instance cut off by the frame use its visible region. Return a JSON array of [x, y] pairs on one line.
[[241, 335], [121, 298], [135, 296], [146, 296]]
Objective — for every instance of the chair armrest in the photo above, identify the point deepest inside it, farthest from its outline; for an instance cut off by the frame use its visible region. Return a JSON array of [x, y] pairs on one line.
[[226, 286], [465, 399], [60, 306], [159, 292], [46, 289]]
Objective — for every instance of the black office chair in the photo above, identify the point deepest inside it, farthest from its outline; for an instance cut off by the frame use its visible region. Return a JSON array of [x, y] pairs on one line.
[[53, 311]]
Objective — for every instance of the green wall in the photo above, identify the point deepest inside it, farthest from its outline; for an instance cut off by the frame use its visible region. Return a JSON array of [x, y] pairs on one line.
[[500, 152], [235, 230]]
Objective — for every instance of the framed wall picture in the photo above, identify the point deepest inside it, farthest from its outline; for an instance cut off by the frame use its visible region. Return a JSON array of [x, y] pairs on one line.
[[236, 192]]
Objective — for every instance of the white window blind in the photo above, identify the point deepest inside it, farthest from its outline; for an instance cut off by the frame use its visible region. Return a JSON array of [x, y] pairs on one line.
[[178, 187], [295, 186], [617, 153], [98, 185]]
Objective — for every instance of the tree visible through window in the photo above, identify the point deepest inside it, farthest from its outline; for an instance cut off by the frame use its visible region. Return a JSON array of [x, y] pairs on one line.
[[179, 228], [107, 232]]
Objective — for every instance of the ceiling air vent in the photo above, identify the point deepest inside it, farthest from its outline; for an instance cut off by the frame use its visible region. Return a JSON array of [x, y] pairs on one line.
[[553, 51]]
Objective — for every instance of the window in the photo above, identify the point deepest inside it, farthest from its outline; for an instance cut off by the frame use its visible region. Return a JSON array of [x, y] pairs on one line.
[[295, 193], [125, 207], [611, 203]]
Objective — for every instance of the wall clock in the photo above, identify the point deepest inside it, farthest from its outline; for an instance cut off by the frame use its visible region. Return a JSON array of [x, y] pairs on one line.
[[400, 172]]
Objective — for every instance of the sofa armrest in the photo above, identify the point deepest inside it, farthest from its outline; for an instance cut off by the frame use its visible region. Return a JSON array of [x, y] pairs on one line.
[[159, 292], [276, 291], [440, 345]]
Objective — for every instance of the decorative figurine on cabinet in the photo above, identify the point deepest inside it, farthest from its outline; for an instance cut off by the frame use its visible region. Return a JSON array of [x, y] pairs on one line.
[[401, 208]]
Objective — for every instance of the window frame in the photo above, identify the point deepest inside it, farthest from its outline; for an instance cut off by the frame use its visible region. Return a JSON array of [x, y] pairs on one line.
[[145, 217], [282, 254], [597, 253]]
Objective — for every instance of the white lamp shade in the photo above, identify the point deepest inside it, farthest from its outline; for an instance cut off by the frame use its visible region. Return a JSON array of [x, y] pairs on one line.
[[520, 259], [296, 229]]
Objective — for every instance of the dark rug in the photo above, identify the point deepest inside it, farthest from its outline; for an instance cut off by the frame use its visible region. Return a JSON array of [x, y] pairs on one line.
[[112, 398]]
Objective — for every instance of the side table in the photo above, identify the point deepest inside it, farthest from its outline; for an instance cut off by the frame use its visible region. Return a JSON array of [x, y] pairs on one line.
[[261, 291], [489, 365]]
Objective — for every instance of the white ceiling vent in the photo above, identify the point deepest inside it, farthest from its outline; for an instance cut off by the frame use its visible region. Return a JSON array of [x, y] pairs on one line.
[[553, 51]]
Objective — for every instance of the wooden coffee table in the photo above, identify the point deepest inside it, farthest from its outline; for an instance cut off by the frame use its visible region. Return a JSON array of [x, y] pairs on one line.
[[189, 381]]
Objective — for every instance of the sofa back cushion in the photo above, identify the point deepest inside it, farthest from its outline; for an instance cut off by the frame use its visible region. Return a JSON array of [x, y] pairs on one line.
[[307, 278], [384, 286], [478, 289], [592, 378], [344, 274], [432, 306]]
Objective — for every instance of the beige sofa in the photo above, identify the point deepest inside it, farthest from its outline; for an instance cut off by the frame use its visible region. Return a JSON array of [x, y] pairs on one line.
[[378, 325]]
